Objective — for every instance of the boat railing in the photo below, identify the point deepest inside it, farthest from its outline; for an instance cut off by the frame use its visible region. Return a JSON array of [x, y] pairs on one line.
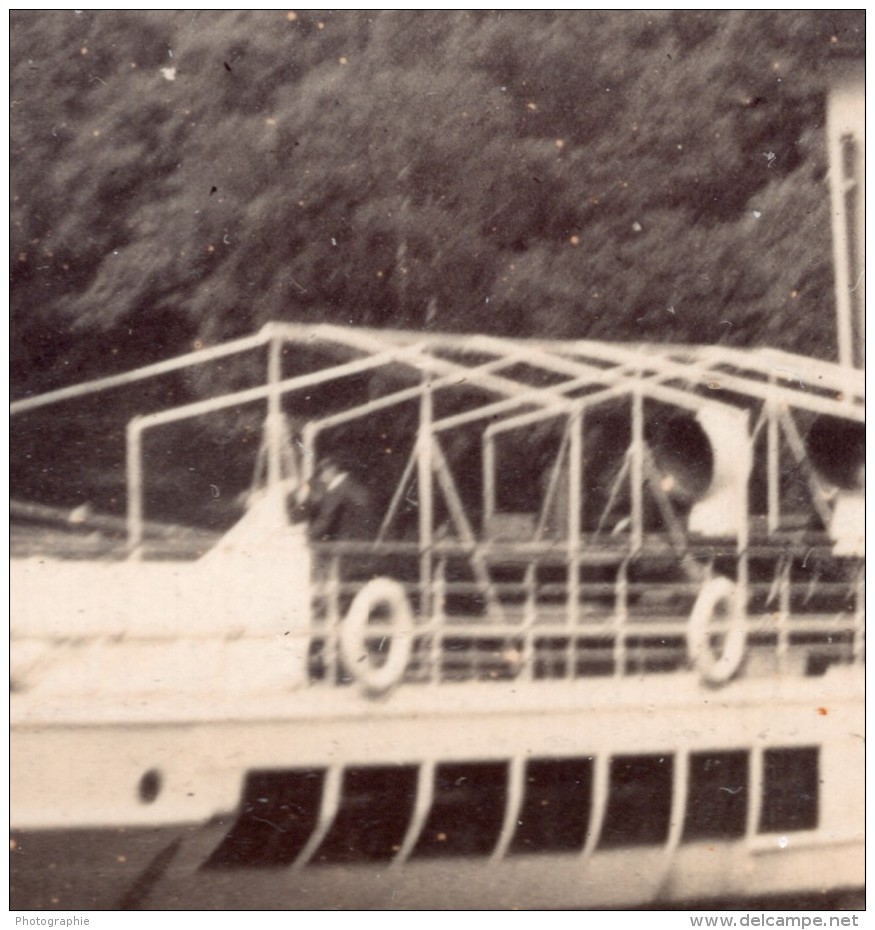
[[534, 612]]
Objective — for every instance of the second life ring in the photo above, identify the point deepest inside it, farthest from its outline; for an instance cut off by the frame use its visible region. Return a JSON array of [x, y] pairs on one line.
[[717, 669], [354, 635]]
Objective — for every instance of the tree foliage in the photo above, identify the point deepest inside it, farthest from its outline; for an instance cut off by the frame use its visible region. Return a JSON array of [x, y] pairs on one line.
[[182, 176]]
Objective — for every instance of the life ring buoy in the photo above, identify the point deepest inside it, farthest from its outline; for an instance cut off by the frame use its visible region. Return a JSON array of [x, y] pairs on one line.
[[354, 634], [716, 669]]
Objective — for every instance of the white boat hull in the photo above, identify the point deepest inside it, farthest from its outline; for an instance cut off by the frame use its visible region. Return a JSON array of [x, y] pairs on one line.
[[132, 804]]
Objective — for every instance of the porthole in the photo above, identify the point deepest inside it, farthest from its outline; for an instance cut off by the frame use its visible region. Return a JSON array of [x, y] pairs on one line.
[[150, 786]]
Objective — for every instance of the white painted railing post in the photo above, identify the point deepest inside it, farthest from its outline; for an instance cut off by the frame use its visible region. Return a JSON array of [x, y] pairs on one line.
[[274, 414], [773, 463], [426, 503], [134, 435], [637, 477], [575, 487]]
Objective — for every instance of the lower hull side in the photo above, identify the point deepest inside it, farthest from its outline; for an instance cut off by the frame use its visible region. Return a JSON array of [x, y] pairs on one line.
[[657, 795], [162, 868]]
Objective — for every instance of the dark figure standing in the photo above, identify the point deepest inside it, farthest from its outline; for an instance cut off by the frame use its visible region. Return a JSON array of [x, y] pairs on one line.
[[339, 507]]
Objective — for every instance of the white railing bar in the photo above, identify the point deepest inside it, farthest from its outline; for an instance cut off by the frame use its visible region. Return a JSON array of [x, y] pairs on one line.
[[636, 462], [137, 426], [761, 361], [198, 357], [331, 650], [549, 353], [783, 622], [816, 490], [575, 506], [262, 391], [537, 356], [759, 390], [527, 629], [621, 616], [501, 406], [436, 623], [433, 364], [652, 389], [398, 397], [425, 488], [559, 464]]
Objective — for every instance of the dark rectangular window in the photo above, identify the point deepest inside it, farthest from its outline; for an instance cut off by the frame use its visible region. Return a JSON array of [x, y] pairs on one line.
[[791, 787], [375, 809], [556, 806], [717, 795], [467, 812], [639, 801], [277, 816]]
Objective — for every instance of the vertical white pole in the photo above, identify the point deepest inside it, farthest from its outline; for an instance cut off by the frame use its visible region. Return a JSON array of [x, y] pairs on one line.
[[743, 544], [426, 502], [135, 488], [637, 476], [308, 438], [488, 478], [845, 133], [773, 466], [274, 414], [575, 483]]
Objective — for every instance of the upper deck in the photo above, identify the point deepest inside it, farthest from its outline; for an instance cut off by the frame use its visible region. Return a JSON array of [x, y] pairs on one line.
[[543, 510]]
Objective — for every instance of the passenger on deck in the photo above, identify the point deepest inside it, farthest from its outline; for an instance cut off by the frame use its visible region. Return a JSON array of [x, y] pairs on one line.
[[337, 506]]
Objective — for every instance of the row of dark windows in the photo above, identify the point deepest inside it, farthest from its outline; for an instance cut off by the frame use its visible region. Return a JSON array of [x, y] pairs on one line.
[[280, 809]]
